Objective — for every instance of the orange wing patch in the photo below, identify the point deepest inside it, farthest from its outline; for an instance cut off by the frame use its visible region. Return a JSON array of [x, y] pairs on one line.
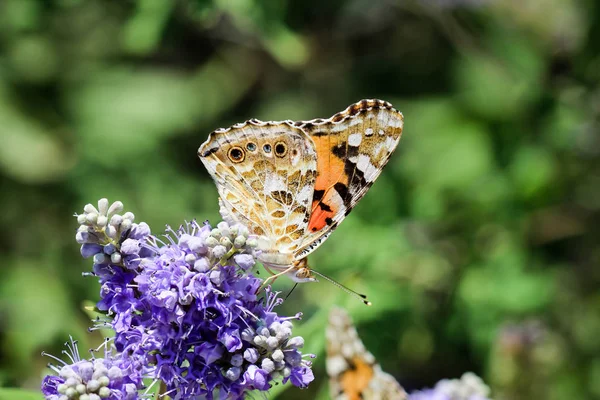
[[354, 381], [330, 168]]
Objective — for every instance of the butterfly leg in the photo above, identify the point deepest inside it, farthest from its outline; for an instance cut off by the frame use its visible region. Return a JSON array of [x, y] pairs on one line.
[[269, 270], [275, 276]]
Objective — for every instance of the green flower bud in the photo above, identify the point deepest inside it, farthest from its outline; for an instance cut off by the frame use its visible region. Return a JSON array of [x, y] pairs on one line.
[[129, 215], [104, 392], [225, 241], [92, 218], [62, 388], [239, 242], [101, 221], [81, 389], [93, 385], [126, 224], [89, 208], [104, 381], [211, 241]]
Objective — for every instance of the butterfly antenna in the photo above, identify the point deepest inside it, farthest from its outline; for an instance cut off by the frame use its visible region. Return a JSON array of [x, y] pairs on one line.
[[291, 291], [362, 297]]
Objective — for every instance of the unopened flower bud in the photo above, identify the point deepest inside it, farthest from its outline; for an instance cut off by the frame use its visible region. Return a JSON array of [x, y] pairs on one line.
[[268, 365], [239, 242], [114, 208], [277, 355], [102, 206]]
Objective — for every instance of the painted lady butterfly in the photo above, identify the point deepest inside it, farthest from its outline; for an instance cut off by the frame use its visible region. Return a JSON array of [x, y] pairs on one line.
[[292, 183], [353, 372]]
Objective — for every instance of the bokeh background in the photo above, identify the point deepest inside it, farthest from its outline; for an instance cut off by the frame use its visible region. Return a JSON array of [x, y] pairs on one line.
[[478, 245]]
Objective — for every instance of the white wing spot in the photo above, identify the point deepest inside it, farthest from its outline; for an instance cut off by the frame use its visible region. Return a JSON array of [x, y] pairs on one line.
[[371, 173], [363, 162], [379, 147], [339, 128], [390, 143], [274, 183], [354, 139], [395, 122], [381, 132], [368, 131], [355, 122], [304, 194], [369, 170]]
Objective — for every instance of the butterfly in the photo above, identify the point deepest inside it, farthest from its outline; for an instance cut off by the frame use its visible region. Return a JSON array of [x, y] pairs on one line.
[[292, 183], [354, 374]]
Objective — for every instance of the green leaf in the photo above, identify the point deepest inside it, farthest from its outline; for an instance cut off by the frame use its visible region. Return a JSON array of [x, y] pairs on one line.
[[130, 113], [502, 81], [289, 48], [458, 153], [533, 170], [37, 310], [142, 33], [30, 152]]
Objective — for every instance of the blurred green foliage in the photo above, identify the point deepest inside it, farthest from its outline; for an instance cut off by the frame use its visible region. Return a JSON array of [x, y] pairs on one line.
[[478, 245]]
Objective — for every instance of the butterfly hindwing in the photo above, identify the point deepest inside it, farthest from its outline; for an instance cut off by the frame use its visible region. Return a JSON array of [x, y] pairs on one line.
[[352, 148], [354, 374]]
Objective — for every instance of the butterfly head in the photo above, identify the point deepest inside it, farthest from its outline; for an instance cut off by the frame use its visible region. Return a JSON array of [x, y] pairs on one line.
[[302, 272]]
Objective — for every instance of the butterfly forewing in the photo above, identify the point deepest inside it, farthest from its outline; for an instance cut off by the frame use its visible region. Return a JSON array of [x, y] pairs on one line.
[[352, 148]]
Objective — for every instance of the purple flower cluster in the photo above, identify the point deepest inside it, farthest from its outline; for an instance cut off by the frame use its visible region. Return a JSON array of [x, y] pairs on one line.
[[186, 309], [468, 387], [110, 378]]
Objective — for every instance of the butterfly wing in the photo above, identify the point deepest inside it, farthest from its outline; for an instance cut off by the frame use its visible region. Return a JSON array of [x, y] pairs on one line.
[[265, 174], [352, 148], [354, 374]]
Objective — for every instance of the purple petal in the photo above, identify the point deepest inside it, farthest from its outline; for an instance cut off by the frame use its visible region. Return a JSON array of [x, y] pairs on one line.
[[90, 249], [257, 377], [139, 231], [130, 247], [50, 385], [301, 376], [245, 261], [210, 352], [230, 337]]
